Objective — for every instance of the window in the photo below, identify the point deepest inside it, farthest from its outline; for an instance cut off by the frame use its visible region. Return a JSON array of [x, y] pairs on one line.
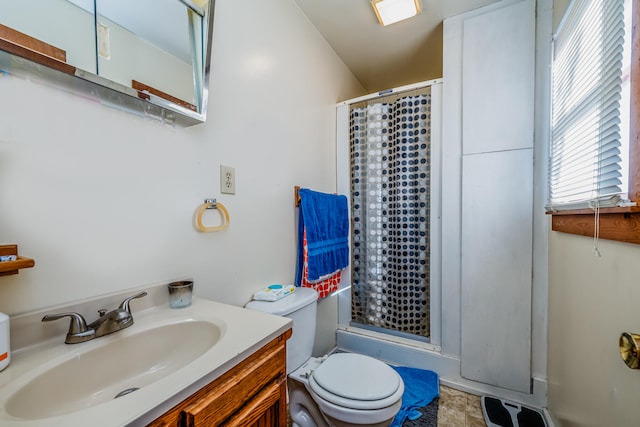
[[595, 148], [589, 135]]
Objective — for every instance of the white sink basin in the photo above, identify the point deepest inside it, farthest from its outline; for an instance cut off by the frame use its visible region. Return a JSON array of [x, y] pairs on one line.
[[168, 354], [124, 363]]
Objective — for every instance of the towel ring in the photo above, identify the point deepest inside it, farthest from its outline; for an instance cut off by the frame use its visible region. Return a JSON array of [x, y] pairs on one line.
[[211, 204]]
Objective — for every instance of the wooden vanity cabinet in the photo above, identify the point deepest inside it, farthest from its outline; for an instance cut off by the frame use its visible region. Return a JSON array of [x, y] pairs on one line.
[[253, 393]]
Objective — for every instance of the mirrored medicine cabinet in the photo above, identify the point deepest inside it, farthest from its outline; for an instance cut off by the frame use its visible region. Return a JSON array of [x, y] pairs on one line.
[[150, 57]]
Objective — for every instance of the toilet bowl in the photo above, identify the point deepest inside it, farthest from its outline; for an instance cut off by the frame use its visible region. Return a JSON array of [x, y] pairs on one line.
[[337, 390], [342, 390]]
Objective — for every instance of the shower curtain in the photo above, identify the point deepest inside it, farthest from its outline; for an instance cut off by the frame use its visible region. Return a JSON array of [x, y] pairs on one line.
[[390, 168]]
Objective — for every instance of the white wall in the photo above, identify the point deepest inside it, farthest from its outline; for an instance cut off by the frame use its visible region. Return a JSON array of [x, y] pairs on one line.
[[591, 302], [104, 200]]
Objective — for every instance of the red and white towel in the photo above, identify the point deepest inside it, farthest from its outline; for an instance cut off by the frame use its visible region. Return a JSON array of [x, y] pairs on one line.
[[326, 284]]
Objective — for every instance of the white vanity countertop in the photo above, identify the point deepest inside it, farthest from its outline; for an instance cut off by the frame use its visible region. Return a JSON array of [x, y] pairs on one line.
[[243, 332]]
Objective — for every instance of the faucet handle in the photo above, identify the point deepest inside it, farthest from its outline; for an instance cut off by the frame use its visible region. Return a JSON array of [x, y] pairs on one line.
[[78, 330], [125, 304], [77, 326]]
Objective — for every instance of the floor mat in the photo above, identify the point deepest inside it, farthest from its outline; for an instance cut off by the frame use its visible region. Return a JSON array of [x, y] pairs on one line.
[[429, 416], [421, 386], [502, 413]]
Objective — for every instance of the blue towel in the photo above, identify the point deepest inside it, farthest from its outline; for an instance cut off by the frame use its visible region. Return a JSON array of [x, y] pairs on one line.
[[325, 217], [420, 388]]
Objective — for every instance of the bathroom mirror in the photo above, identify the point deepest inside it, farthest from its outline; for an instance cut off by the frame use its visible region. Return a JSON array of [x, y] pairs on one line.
[[148, 56]]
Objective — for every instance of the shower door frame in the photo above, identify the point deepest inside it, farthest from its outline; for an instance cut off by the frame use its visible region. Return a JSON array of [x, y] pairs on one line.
[[343, 179]]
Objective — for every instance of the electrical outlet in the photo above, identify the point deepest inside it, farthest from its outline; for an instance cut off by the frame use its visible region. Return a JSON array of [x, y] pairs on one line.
[[227, 180]]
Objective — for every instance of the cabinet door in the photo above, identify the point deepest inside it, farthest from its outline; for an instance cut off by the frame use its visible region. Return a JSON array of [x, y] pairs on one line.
[[498, 79], [253, 394], [236, 391], [263, 410], [497, 122], [497, 209]]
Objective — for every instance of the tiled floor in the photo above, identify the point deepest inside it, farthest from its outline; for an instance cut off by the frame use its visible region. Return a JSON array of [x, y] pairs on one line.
[[459, 409], [456, 409]]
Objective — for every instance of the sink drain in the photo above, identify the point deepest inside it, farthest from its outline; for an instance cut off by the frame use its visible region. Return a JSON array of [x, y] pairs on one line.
[[125, 392]]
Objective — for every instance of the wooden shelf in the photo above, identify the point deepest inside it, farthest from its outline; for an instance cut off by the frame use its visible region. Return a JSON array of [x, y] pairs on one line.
[[12, 267]]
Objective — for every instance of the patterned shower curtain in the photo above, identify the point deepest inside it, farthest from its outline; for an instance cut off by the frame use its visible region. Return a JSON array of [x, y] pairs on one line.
[[390, 168]]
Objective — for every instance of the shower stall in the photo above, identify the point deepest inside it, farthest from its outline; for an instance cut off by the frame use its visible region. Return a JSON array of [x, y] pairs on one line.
[[389, 142], [388, 146]]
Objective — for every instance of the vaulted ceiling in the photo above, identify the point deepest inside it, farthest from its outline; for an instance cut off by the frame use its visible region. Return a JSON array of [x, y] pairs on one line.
[[385, 57]]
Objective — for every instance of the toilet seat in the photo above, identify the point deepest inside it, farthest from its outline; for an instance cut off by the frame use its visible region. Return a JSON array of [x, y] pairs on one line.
[[357, 382]]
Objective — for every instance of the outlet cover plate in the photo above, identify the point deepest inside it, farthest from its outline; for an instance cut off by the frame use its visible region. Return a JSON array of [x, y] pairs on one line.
[[227, 180]]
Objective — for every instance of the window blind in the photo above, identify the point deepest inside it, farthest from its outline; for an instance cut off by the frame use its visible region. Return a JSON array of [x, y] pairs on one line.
[[585, 159]]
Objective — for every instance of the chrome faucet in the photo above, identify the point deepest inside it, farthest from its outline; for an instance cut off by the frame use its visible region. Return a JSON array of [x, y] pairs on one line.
[[107, 323]]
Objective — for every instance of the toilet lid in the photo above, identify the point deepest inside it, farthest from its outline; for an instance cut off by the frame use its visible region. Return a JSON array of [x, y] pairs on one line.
[[355, 377]]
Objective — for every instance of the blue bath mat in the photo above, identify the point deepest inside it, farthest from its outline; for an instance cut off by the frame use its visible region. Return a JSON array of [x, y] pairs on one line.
[[420, 388], [429, 416]]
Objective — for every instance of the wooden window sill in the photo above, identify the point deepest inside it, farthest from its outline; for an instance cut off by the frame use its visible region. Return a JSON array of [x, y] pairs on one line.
[[621, 224]]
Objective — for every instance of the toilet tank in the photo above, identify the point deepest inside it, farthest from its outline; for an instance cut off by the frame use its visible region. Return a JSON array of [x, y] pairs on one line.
[[300, 307]]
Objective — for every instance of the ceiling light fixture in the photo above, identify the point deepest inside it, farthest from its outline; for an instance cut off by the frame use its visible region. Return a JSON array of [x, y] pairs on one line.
[[392, 11]]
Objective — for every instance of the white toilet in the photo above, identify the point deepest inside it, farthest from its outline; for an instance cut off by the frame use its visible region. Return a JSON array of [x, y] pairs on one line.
[[341, 389]]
